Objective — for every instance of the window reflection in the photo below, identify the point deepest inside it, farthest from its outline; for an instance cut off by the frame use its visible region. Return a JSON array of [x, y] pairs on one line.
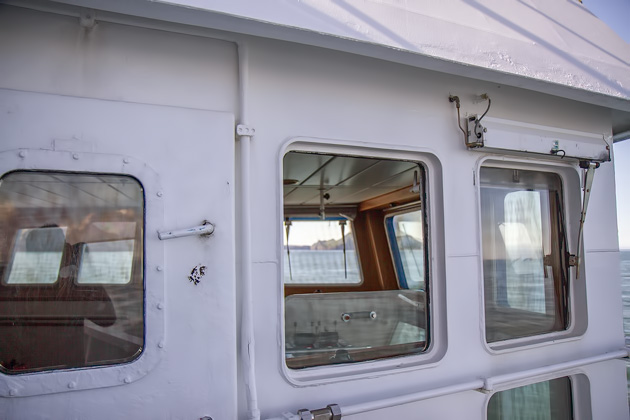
[[408, 249], [550, 400], [72, 293], [36, 256], [524, 253]]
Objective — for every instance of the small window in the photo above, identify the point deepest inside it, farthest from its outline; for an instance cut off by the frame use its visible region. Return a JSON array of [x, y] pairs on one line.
[[406, 237], [72, 289], [343, 300], [550, 400], [525, 258]]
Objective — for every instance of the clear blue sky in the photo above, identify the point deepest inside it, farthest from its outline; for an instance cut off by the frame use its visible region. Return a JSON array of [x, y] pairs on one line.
[[616, 13]]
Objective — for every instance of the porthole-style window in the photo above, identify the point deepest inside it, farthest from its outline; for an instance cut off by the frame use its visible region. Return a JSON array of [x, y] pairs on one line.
[[71, 270]]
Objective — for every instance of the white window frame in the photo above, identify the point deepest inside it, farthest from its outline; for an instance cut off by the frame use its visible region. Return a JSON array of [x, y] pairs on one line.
[[55, 381], [577, 322], [435, 210]]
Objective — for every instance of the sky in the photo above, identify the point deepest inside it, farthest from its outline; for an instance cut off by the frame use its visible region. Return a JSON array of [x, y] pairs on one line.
[[616, 14]]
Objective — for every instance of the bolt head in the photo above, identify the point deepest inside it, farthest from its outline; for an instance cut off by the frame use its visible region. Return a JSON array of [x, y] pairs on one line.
[[22, 154], [75, 156]]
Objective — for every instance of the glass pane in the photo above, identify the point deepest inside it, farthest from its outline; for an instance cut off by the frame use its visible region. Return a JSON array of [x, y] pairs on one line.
[[36, 256], [523, 238], [549, 400], [409, 249], [106, 262], [524, 269], [315, 253], [331, 328], [347, 307], [72, 290]]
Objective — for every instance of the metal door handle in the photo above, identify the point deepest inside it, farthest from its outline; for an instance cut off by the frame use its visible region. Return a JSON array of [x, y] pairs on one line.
[[206, 229]]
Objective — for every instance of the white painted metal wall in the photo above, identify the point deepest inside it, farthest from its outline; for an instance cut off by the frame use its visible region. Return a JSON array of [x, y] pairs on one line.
[[342, 101]]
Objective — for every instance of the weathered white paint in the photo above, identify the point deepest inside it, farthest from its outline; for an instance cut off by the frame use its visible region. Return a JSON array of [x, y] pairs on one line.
[[559, 48], [168, 99]]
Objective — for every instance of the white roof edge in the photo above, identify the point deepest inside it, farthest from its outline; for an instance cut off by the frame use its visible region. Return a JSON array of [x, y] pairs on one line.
[[575, 77]]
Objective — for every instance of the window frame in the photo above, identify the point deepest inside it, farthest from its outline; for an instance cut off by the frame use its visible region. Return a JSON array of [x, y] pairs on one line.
[[436, 298], [91, 377], [577, 316]]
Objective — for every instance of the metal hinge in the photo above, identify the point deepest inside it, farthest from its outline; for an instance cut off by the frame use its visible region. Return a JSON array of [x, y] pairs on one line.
[[573, 260], [331, 412]]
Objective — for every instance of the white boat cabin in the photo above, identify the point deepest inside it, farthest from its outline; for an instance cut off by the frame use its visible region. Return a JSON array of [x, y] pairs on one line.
[[310, 210]]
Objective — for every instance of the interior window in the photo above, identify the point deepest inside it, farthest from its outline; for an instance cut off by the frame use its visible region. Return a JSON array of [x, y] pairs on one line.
[[36, 256], [406, 236], [524, 253], [550, 400], [72, 288], [320, 252], [343, 301]]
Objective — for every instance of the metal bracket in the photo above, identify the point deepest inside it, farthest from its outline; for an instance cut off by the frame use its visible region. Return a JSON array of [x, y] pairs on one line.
[[475, 132], [87, 19], [245, 130]]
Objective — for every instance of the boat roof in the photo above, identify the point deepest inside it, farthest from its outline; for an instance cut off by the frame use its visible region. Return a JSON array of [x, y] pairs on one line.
[[556, 47]]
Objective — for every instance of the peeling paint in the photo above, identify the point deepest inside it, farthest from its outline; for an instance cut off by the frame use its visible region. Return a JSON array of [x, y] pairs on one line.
[[197, 273]]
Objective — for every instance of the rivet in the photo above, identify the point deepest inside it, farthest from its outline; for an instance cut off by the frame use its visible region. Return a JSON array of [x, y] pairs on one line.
[[22, 154], [72, 385], [127, 380], [126, 160], [159, 268], [160, 306], [160, 193], [12, 392], [161, 344], [75, 156]]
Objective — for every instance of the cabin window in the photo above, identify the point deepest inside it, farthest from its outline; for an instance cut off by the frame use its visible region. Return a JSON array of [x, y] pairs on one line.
[[343, 300], [406, 238], [71, 270], [550, 400], [525, 258]]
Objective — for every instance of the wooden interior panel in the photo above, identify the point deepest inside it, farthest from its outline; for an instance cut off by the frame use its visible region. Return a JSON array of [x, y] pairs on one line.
[[394, 198]]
